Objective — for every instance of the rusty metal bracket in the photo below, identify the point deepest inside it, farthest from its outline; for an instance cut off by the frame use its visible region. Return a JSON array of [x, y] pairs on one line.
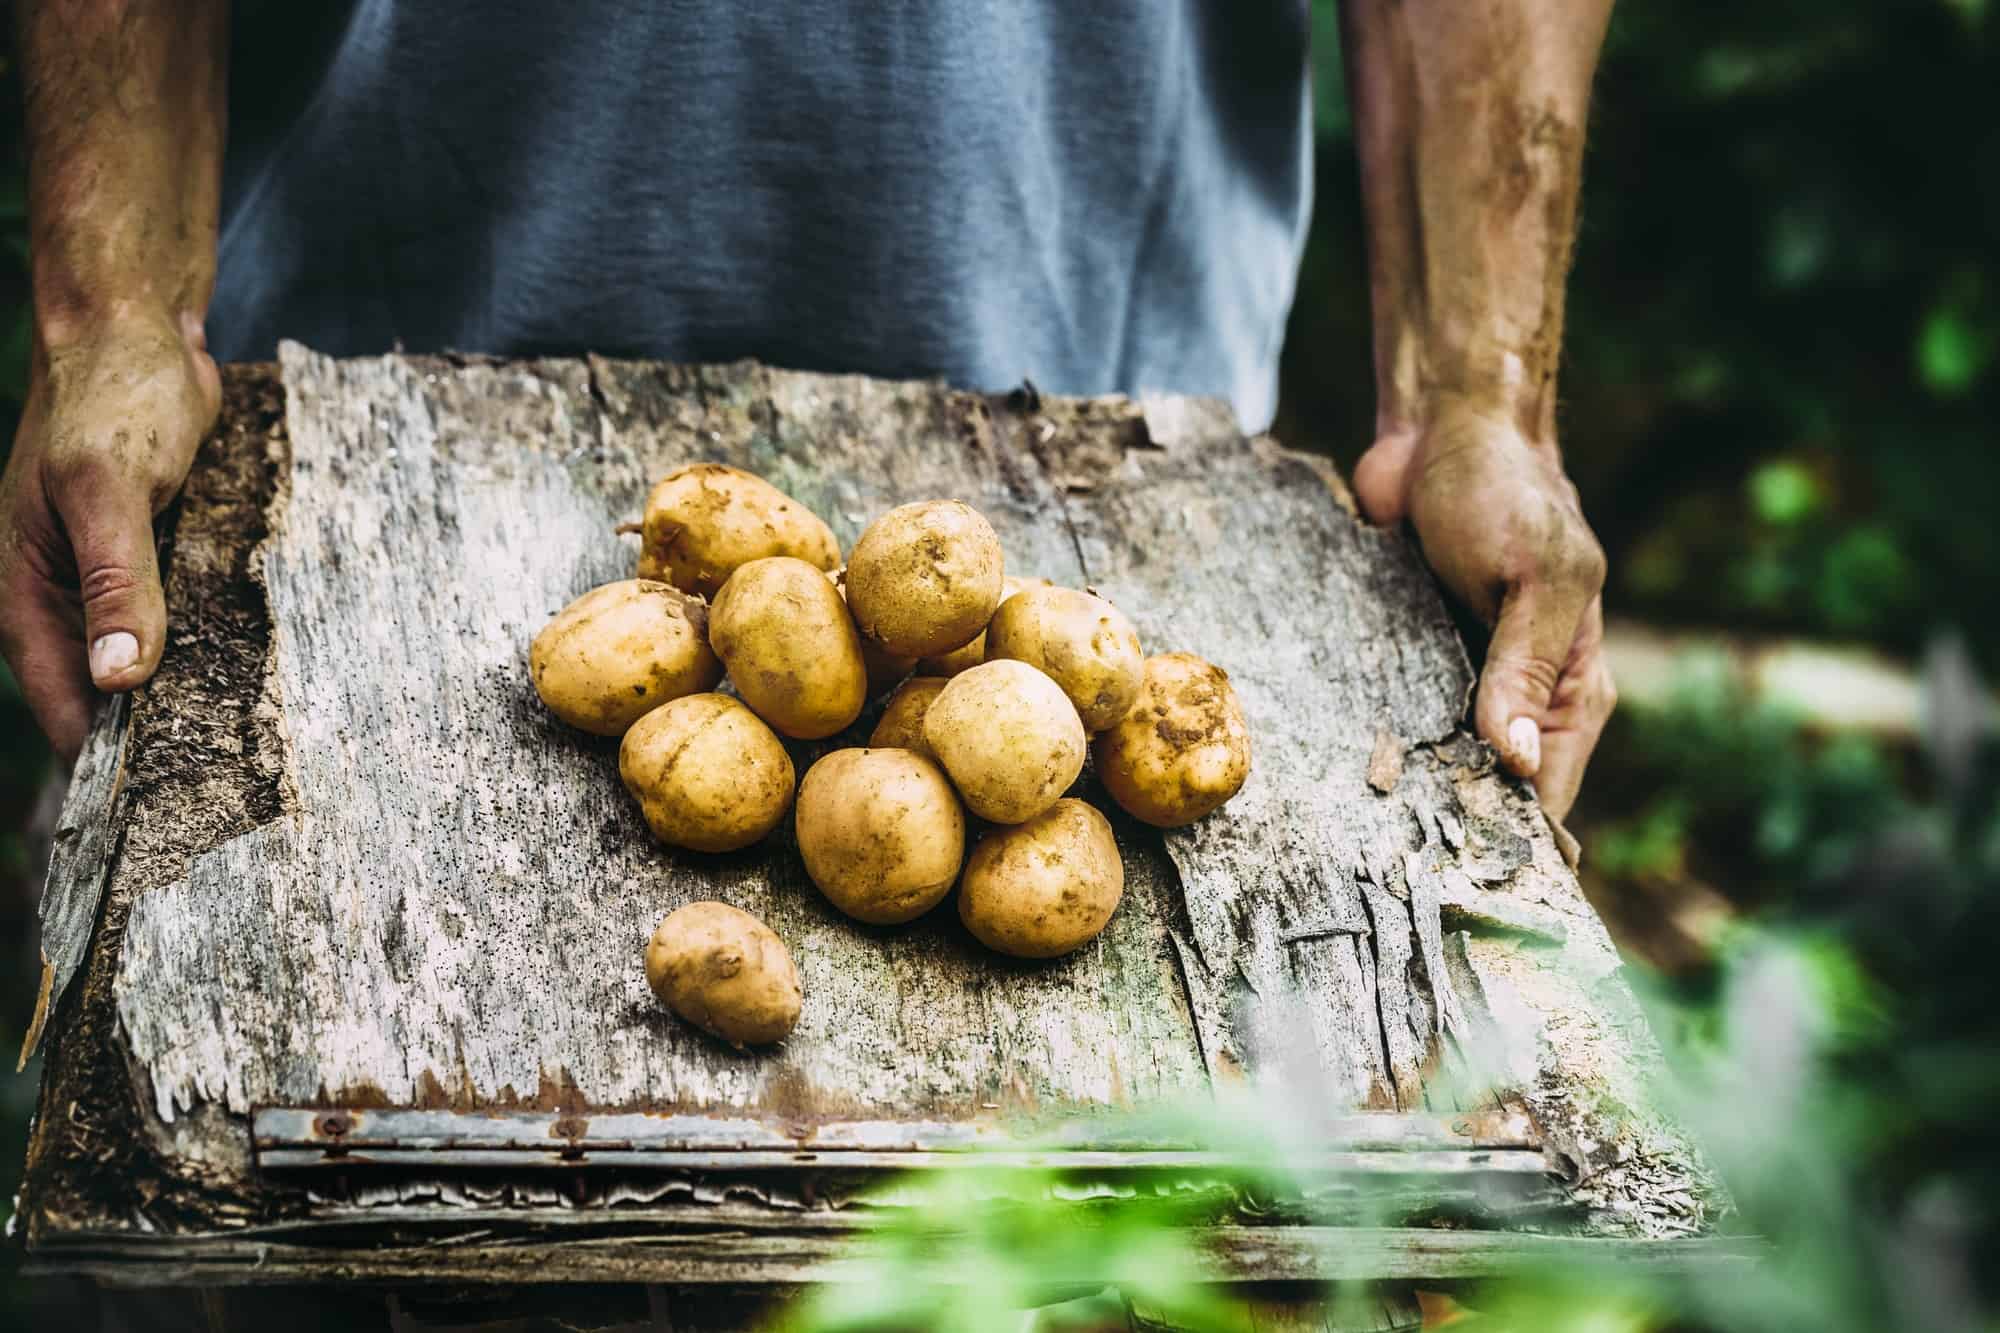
[[286, 1139]]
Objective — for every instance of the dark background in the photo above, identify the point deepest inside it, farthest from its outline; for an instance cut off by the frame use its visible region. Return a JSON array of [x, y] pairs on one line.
[[1779, 405]]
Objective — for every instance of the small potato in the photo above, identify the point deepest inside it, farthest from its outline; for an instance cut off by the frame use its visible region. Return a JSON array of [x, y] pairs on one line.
[[1009, 737], [789, 646], [902, 724], [1184, 748], [726, 972], [924, 578], [620, 651], [1044, 887], [970, 656], [705, 519], [707, 774], [1083, 643], [880, 832]]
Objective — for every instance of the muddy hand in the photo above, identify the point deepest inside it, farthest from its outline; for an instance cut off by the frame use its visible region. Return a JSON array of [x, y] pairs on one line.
[[107, 435], [1501, 525]]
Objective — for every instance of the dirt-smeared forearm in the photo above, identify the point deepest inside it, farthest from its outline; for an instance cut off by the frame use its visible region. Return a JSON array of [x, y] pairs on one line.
[[124, 125], [1470, 124]]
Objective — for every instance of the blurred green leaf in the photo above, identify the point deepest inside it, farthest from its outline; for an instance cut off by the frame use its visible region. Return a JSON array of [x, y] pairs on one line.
[[1783, 492], [1863, 578], [1951, 353]]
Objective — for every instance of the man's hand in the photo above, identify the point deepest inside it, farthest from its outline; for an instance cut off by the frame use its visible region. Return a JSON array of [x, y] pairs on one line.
[[108, 432], [1500, 524], [1469, 118], [123, 113]]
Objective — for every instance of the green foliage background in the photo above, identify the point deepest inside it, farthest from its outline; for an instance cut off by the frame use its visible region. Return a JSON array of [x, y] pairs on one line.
[[1779, 404]]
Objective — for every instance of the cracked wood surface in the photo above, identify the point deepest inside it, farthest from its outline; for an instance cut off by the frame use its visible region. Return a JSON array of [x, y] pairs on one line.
[[424, 891]]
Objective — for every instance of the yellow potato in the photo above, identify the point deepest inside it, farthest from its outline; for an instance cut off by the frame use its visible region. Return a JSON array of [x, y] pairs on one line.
[[705, 519], [726, 972], [901, 726], [1083, 643], [1044, 887], [785, 638], [620, 651], [1009, 737], [707, 774], [924, 578], [1184, 748], [880, 832], [972, 654], [884, 668]]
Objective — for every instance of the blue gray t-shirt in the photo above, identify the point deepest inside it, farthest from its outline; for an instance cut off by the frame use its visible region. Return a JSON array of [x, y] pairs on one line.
[[1096, 194]]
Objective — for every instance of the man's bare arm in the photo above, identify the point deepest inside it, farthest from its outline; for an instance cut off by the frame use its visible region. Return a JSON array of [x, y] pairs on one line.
[[124, 122], [1470, 123]]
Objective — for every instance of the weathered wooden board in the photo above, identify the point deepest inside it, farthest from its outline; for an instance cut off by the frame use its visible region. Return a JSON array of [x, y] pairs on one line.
[[356, 864]]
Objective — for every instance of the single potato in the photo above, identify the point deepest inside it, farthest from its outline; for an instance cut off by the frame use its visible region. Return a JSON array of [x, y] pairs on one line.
[[620, 651], [1082, 643], [1045, 887], [880, 832], [707, 774], [925, 577], [1184, 748], [785, 638], [705, 519], [901, 726], [1009, 737], [970, 656], [726, 972], [884, 667]]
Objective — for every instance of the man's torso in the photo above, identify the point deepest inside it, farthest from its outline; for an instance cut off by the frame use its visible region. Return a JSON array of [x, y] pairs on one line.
[[1099, 196]]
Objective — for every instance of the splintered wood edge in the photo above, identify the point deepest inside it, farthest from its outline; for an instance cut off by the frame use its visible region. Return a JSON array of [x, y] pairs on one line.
[[80, 862]]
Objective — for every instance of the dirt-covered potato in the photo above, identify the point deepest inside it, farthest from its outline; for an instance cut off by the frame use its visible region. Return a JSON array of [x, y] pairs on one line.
[[726, 972], [620, 651], [1184, 748], [884, 667], [925, 577], [901, 726], [1044, 887], [972, 654], [707, 774], [1082, 643], [880, 832], [790, 648], [1009, 737], [705, 519]]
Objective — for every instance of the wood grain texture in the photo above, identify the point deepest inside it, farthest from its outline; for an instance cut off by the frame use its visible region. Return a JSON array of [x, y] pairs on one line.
[[79, 861], [456, 911], [366, 869]]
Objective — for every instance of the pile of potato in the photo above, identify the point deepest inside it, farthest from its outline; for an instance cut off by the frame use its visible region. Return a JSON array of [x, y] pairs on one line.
[[1002, 686]]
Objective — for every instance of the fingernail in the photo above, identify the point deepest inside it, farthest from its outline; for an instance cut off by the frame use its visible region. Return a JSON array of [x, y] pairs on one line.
[[1526, 740], [112, 654]]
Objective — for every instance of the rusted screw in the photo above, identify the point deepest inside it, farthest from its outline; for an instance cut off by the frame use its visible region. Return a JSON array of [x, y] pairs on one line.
[[567, 1127], [332, 1125]]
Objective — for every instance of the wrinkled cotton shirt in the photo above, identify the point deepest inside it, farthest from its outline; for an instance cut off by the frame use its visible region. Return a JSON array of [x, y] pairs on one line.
[[1100, 195]]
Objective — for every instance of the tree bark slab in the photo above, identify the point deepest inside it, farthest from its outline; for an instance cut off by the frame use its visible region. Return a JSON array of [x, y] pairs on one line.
[[347, 860]]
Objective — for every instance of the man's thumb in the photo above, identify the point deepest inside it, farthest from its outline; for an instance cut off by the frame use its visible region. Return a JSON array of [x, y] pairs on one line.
[[1523, 663], [118, 578]]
